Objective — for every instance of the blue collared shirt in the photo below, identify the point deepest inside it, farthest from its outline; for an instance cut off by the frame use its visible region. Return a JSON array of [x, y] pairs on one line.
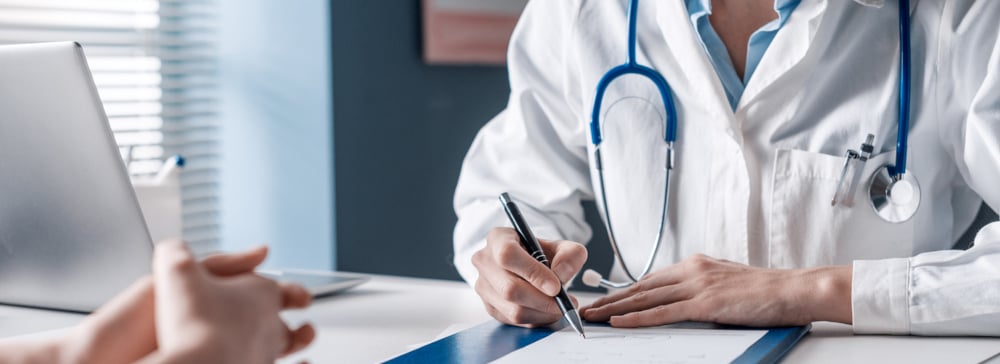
[[699, 10]]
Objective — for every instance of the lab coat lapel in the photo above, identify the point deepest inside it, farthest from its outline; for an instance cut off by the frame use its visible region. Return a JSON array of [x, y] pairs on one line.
[[787, 50], [695, 67], [707, 124]]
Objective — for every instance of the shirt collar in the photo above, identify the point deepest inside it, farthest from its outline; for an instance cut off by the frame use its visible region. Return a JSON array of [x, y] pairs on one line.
[[707, 4], [872, 3]]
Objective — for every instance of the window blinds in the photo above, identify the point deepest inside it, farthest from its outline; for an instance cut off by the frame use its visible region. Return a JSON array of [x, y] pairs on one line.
[[155, 68]]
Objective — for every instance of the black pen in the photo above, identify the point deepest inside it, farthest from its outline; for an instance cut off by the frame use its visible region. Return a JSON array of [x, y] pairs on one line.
[[530, 244]]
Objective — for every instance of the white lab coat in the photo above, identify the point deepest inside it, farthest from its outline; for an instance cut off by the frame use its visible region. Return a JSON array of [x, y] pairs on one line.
[[755, 185]]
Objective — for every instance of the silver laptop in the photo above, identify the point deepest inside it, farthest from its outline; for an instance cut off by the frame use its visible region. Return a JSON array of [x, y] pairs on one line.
[[71, 232]]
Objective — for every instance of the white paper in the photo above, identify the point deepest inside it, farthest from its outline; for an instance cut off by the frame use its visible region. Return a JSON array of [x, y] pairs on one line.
[[646, 345]]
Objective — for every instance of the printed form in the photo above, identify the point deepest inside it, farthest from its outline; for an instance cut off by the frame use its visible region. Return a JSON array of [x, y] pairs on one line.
[[605, 344]]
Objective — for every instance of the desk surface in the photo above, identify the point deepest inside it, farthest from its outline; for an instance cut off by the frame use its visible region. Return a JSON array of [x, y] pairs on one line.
[[391, 315]]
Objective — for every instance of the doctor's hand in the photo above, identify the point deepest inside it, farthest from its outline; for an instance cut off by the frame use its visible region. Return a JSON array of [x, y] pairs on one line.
[[515, 288], [711, 290], [221, 315]]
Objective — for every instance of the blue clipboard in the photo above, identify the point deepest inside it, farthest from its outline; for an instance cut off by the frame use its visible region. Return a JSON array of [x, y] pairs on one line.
[[490, 341]]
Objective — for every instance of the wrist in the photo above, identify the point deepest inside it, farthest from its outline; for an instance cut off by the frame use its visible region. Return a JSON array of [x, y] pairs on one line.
[[77, 345], [198, 345], [50, 349], [193, 354], [203, 353], [190, 355], [828, 296]]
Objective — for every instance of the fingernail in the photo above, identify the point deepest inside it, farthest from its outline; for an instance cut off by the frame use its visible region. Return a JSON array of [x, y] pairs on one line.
[[551, 288], [564, 272], [614, 320]]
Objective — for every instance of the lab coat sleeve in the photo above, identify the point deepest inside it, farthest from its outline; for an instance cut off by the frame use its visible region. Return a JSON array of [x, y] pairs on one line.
[[950, 292], [535, 149]]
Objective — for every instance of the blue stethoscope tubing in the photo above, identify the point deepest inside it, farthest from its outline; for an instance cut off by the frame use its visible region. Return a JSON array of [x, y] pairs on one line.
[[894, 194], [631, 67], [879, 190], [903, 129]]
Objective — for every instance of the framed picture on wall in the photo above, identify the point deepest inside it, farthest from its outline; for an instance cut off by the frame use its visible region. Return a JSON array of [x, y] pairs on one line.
[[468, 31]]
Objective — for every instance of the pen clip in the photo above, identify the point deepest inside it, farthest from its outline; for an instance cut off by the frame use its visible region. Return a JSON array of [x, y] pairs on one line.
[[854, 161], [842, 194]]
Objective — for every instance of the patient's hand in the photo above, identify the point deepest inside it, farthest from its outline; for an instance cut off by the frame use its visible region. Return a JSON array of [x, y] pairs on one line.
[[215, 312], [121, 331]]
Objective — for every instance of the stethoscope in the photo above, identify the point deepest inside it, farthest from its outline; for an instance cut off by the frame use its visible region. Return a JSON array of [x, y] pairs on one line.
[[893, 194]]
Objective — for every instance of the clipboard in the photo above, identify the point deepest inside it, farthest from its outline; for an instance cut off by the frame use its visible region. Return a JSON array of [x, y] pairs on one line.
[[491, 340]]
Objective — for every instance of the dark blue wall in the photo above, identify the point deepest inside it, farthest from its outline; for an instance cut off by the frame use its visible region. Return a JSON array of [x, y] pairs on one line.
[[401, 128]]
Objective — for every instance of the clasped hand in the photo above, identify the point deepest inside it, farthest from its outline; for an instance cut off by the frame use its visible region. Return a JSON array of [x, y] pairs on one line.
[[213, 311]]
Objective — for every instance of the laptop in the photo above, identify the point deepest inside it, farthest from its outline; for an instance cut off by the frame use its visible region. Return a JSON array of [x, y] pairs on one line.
[[72, 234]]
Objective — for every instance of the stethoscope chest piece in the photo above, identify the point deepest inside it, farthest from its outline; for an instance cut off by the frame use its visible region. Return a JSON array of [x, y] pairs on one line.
[[894, 199]]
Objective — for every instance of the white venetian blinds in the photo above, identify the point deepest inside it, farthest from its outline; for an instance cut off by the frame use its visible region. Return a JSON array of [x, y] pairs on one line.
[[155, 68]]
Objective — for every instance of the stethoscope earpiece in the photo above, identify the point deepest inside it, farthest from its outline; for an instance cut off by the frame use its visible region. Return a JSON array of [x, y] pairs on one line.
[[593, 279]]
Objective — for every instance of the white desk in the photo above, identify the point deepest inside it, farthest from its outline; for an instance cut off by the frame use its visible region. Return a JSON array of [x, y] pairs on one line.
[[389, 315]]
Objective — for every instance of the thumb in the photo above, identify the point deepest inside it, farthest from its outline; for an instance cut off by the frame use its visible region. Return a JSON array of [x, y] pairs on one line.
[[229, 264], [567, 258], [173, 258]]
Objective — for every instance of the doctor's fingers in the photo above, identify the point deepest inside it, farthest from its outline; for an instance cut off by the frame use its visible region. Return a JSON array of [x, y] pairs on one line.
[[508, 255], [665, 277], [567, 257], [639, 301], [512, 313], [497, 285], [659, 315], [520, 316]]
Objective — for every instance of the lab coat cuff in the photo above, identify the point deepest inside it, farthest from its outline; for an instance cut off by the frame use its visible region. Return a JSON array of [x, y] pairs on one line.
[[880, 296]]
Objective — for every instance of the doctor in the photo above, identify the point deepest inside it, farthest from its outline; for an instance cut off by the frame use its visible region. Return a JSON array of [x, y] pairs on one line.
[[769, 97]]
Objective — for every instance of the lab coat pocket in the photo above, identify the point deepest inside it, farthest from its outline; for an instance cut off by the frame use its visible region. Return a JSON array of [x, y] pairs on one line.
[[805, 230]]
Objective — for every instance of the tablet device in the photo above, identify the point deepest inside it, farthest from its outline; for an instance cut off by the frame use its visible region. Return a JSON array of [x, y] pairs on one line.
[[318, 283]]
